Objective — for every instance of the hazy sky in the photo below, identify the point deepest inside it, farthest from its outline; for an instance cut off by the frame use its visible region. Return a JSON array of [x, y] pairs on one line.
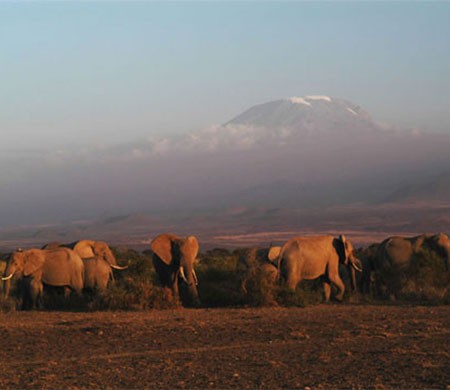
[[110, 72]]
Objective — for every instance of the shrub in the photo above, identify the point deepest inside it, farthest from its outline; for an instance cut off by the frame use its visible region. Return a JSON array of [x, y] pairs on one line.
[[427, 279], [135, 288], [245, 278], [218, 280], [7, 304]]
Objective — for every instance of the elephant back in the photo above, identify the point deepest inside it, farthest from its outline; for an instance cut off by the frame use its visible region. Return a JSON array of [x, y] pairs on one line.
[[395, 253], [84, 248], [63, 267], [52, 245]]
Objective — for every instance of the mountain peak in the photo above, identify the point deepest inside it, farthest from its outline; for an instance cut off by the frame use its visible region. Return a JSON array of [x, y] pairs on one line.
[[310, 114]]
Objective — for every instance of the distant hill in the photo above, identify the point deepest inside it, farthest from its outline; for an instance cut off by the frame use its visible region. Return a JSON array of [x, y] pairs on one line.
[[429, 189], [296, 153]]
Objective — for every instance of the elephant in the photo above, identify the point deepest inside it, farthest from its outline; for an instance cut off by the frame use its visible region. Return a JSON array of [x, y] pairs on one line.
[[173, 259], [308, 258], [59, 267], [395, 257], [396, 252], [251, 261], [365, 280], [52, 245], [99, 261]]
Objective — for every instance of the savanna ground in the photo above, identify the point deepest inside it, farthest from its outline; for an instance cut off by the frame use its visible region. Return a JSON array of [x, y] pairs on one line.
[[323, 346]]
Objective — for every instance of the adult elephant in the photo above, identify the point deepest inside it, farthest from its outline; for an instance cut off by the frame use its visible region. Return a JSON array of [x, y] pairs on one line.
[[99, 261], [365, 280], [60, 267], [395, 255], [254, 261], [173, 259], [309, 258], [396, 252]]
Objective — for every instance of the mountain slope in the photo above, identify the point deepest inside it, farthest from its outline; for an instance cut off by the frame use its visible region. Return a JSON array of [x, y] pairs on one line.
[[308, 115], [434, 188], [305, 152]]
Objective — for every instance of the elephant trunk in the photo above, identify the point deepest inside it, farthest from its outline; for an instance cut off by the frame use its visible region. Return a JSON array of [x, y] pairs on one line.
[[189, 276]]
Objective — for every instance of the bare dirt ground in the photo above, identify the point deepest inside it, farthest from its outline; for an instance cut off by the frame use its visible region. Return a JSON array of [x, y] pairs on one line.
[[329, 346]]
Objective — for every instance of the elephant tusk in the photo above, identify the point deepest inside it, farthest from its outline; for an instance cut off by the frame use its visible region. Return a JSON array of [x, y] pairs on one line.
[[183, 276], [8, 277], [357, 267], [195, 277], [118, 267]]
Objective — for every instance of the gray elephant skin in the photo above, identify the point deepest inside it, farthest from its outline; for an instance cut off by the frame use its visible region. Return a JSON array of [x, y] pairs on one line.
[[173, 259], [309, 258], [395, 255], [60, 267], [99, 262], [366, 279]]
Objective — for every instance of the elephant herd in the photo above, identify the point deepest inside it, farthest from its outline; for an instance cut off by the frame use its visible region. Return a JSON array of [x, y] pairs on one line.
[[84, 264], [89, 264], [383, 266], [388, 264]]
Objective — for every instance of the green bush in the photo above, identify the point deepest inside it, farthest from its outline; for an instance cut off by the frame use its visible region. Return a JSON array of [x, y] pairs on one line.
[[135, 288], [226, 279], [245, 278], [426, 280], [218, 279]]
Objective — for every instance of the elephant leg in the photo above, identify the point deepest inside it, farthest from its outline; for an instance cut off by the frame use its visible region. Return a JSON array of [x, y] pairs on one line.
[[67, 292], [244, 286], [102, 284], [40, 299], [327, 290], [292, 282], [175, 291], [36, 290], [337, 281]]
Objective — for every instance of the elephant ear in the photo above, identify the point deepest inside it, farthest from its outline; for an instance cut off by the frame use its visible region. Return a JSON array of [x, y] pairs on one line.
[[162, 247], [99, 248], [274, 252], [84, 249], [419, 241], [33, 260], [345, 253], [190, 245]]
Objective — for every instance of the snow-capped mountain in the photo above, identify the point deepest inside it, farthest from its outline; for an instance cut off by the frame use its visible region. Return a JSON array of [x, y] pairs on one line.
[[299, 152], [290, 121], [278, 122], [314, 114]]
